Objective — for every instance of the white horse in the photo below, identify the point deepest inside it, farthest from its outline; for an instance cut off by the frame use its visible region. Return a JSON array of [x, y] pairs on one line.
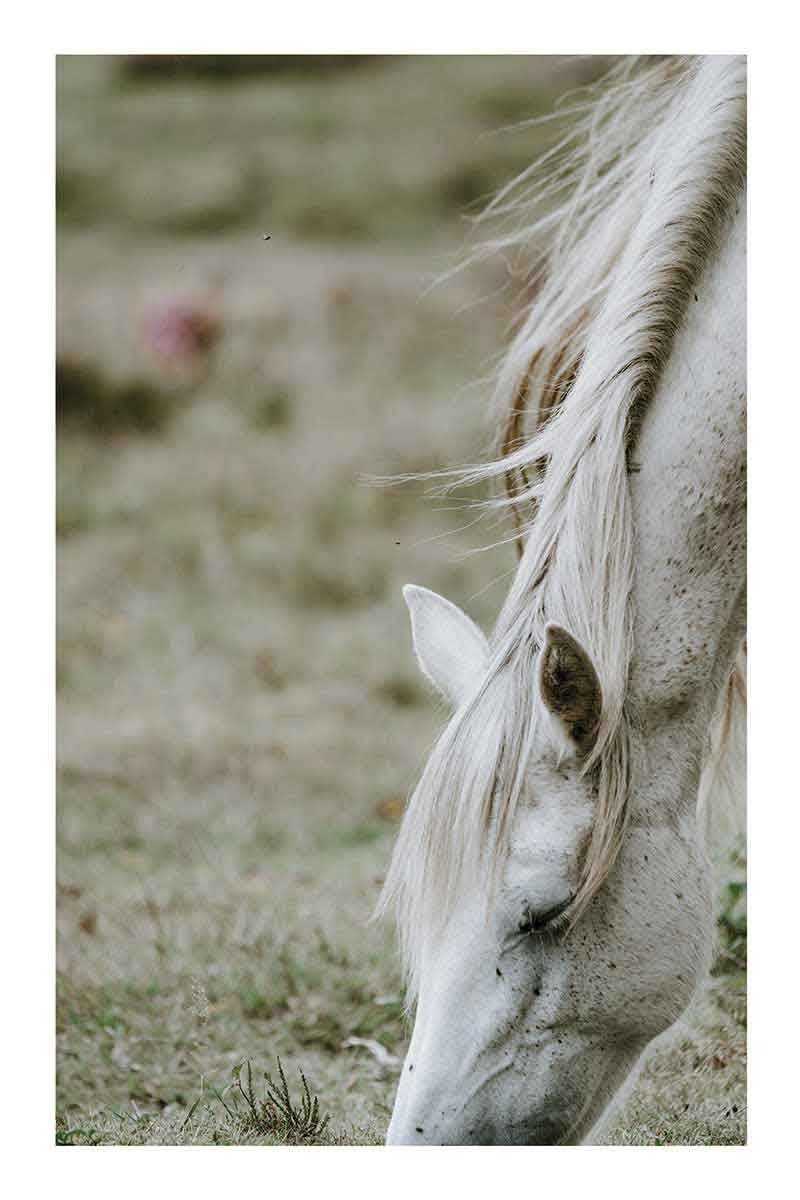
[[550, 880]]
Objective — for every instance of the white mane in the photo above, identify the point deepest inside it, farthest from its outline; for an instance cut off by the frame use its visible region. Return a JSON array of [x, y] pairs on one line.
[[642, 183]]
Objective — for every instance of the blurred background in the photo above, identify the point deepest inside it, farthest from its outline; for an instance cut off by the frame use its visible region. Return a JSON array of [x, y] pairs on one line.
[[247, 328]]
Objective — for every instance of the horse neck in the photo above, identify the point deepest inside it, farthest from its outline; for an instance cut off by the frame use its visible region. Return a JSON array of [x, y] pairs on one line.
[[688, 497]]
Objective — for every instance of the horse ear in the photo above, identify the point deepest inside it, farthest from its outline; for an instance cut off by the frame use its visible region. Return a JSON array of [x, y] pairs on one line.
[[451, 650], [569, 687]]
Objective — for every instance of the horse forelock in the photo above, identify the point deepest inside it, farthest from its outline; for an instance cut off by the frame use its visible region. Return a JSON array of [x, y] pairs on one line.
[[649, 175]]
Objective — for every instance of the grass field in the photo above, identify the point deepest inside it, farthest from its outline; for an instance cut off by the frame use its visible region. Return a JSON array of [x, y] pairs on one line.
[[239, 716]]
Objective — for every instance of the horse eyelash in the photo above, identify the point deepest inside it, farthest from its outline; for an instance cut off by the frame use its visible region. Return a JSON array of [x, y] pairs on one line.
[[540, 922]]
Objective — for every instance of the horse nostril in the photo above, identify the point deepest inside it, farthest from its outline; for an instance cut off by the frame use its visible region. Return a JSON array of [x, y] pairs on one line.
[[419, 1129]]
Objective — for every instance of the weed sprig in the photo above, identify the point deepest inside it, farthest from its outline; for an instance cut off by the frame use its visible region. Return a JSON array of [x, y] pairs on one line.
[[277, 1114]]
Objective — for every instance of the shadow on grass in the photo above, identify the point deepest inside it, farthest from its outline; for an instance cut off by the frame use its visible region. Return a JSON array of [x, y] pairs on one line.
[[90, 401]]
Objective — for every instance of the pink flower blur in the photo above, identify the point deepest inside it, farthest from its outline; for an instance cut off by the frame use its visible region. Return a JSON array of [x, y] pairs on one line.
[[181, 333]]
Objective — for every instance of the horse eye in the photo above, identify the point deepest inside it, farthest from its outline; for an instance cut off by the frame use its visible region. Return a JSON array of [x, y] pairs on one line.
[[536, 922], [526, 925]]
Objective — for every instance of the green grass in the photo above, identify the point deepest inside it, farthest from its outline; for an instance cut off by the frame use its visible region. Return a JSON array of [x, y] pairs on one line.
[[239, 718]]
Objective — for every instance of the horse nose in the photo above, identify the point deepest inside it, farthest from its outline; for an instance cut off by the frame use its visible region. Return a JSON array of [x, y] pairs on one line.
[[420, 1135], [406, 1137], [427, 1130], [541, 1130], [415, 1129], [404, 1130]]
